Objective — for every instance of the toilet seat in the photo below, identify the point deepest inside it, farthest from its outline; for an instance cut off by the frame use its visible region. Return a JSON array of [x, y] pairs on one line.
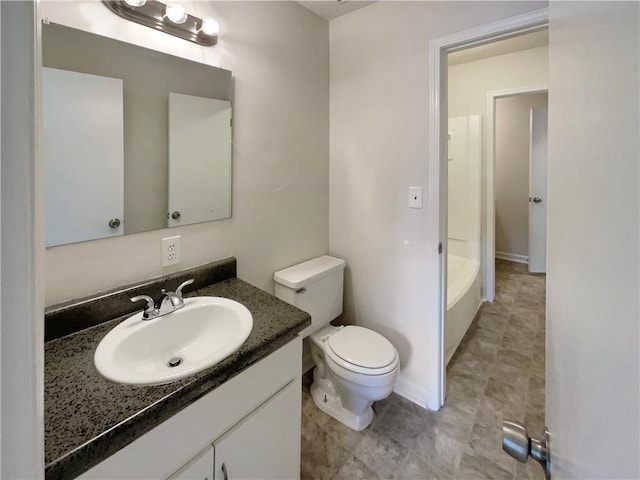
[[361, 351]]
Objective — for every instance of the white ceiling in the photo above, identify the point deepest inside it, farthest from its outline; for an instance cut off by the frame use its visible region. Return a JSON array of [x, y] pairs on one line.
[[330, 9], [501, 47]]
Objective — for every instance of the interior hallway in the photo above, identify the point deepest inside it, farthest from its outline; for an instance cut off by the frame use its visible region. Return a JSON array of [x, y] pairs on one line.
[[496, 374]]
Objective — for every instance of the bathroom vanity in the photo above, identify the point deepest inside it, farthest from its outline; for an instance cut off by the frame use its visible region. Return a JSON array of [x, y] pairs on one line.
[[248, 427], [239, 418]]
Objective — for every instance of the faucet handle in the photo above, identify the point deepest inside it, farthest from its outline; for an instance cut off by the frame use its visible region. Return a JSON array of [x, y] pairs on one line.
[[151, 304], [182, 285]]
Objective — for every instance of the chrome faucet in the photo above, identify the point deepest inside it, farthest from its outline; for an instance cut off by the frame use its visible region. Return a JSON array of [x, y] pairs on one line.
[[168, 303]]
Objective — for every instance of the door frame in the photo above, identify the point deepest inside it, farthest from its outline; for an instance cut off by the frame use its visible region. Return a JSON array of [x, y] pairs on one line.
[[489, 227], [437, 171], [22, 249]]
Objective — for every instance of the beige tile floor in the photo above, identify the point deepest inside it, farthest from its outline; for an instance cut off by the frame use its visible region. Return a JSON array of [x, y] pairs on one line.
[[496, 374]]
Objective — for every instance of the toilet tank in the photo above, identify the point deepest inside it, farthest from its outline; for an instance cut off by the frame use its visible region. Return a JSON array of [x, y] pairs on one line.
[[314, 286]]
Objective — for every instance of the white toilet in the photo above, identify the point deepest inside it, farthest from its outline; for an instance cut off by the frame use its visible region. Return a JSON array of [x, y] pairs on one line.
[[355, 366]]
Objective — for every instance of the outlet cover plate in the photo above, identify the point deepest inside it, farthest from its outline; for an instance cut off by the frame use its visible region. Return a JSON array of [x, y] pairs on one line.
[[171, 251]]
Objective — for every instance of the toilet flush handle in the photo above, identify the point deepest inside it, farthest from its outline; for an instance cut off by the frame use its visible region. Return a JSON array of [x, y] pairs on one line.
[[301, 290]]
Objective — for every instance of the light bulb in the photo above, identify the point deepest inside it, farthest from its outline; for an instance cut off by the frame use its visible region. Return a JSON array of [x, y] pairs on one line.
[[176, 13], [135, 3], [210, 27]]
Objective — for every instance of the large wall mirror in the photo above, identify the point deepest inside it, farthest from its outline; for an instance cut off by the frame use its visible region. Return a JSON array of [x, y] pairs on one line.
[[133, 139]]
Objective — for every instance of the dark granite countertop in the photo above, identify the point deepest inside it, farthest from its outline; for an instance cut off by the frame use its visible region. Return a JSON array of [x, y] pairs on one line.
[[88, 418]]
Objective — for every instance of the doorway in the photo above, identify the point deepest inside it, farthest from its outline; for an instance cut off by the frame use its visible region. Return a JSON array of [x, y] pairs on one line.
[[437, 164], [497, 370], [509, 204]]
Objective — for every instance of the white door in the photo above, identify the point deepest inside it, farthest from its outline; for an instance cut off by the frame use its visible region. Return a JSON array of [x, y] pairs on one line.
[[266, 444], [593, 277], [83, 151], [538, 190], [199, 467], [199, 159]]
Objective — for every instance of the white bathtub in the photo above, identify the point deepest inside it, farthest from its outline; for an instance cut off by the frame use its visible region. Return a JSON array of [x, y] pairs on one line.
[[463, 300]]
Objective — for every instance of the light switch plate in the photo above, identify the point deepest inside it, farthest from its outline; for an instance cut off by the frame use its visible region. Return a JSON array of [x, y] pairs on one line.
[[415, 197]]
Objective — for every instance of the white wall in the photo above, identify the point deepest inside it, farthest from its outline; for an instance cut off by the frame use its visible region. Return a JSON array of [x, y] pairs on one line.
[[379, 147], [593, 265], [511, 174], [279, 55], [469, 83], [464, 188]]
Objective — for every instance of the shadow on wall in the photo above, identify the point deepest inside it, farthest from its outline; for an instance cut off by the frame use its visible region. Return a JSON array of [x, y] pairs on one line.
[[400, 342], [500, 230]]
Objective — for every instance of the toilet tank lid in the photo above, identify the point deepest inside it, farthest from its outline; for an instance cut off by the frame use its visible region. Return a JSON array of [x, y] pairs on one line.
[[302, 274]]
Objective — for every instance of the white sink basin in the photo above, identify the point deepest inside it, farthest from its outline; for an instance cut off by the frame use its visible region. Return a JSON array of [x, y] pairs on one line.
[[199, 335]]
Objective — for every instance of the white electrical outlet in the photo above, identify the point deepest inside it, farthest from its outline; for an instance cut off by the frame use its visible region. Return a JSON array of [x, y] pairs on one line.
[[171, 251]]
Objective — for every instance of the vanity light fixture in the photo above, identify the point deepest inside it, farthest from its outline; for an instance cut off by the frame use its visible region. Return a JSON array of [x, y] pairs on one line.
[[209, 27], [135, 3], [168, 18], [176, 13]]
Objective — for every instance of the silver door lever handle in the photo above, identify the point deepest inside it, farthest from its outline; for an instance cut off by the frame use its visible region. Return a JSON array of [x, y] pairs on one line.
[[517, 443]]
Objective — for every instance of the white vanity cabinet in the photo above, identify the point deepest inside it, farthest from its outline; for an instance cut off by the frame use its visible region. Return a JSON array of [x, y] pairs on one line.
[[198, 468], [250, 424], [261, 445]]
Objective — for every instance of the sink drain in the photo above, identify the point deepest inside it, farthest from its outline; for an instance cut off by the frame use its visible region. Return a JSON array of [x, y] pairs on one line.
[[174, 362]]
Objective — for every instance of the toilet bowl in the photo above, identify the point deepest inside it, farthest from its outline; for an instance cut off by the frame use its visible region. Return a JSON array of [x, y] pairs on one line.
[[354, 366]]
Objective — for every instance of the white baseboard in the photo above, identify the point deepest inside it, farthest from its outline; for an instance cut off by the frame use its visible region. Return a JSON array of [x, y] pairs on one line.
[[412, 392], [512, 257]]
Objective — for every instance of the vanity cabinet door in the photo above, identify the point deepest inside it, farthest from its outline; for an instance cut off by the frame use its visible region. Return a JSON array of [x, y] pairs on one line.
[[265, 444], [199, 467]]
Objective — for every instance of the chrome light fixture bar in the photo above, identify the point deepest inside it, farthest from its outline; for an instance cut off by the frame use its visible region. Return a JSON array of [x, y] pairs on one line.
[[153, 14]]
